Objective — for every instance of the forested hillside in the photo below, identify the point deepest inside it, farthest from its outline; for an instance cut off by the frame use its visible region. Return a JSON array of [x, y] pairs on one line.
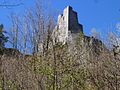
[[30, 59]]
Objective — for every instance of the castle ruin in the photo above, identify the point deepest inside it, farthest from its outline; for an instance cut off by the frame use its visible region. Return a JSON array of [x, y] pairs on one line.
[[68, 29], [67, 26]]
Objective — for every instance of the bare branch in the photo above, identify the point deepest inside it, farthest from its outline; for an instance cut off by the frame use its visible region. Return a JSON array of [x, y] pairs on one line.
[[7, 4]]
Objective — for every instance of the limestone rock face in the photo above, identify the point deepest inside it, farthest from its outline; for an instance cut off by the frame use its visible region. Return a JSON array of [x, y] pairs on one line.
[[67, 26]]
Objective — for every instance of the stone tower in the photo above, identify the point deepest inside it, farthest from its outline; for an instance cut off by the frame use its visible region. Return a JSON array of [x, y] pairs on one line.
[[73, 24], [67, 26]]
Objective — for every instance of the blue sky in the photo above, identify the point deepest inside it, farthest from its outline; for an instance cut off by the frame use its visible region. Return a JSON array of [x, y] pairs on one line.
[[99, 14]]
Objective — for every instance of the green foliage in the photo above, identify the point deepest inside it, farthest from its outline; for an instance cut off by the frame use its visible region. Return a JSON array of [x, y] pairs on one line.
[[3, 39], [79, 38], [59, 69], [63, 68]]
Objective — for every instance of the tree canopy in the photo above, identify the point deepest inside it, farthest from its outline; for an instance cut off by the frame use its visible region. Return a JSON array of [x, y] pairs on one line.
[[3, 38]]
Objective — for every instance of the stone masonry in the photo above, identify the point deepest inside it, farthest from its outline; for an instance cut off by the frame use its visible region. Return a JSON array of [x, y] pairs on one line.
[[67, 26], [68, 30]]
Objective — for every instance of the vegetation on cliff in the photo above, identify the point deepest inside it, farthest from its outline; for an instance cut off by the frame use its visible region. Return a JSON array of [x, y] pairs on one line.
[[83, 65]]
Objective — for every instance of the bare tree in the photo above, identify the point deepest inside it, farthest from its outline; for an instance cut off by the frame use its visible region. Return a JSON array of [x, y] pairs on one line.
[[8, 4]]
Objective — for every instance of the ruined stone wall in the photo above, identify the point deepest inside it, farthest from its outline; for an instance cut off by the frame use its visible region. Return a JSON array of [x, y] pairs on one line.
[[68, 30], [62, 26], [67, 25], [74, 25]]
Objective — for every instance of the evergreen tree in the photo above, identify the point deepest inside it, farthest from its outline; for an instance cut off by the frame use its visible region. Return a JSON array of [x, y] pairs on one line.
[[3, 39]]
